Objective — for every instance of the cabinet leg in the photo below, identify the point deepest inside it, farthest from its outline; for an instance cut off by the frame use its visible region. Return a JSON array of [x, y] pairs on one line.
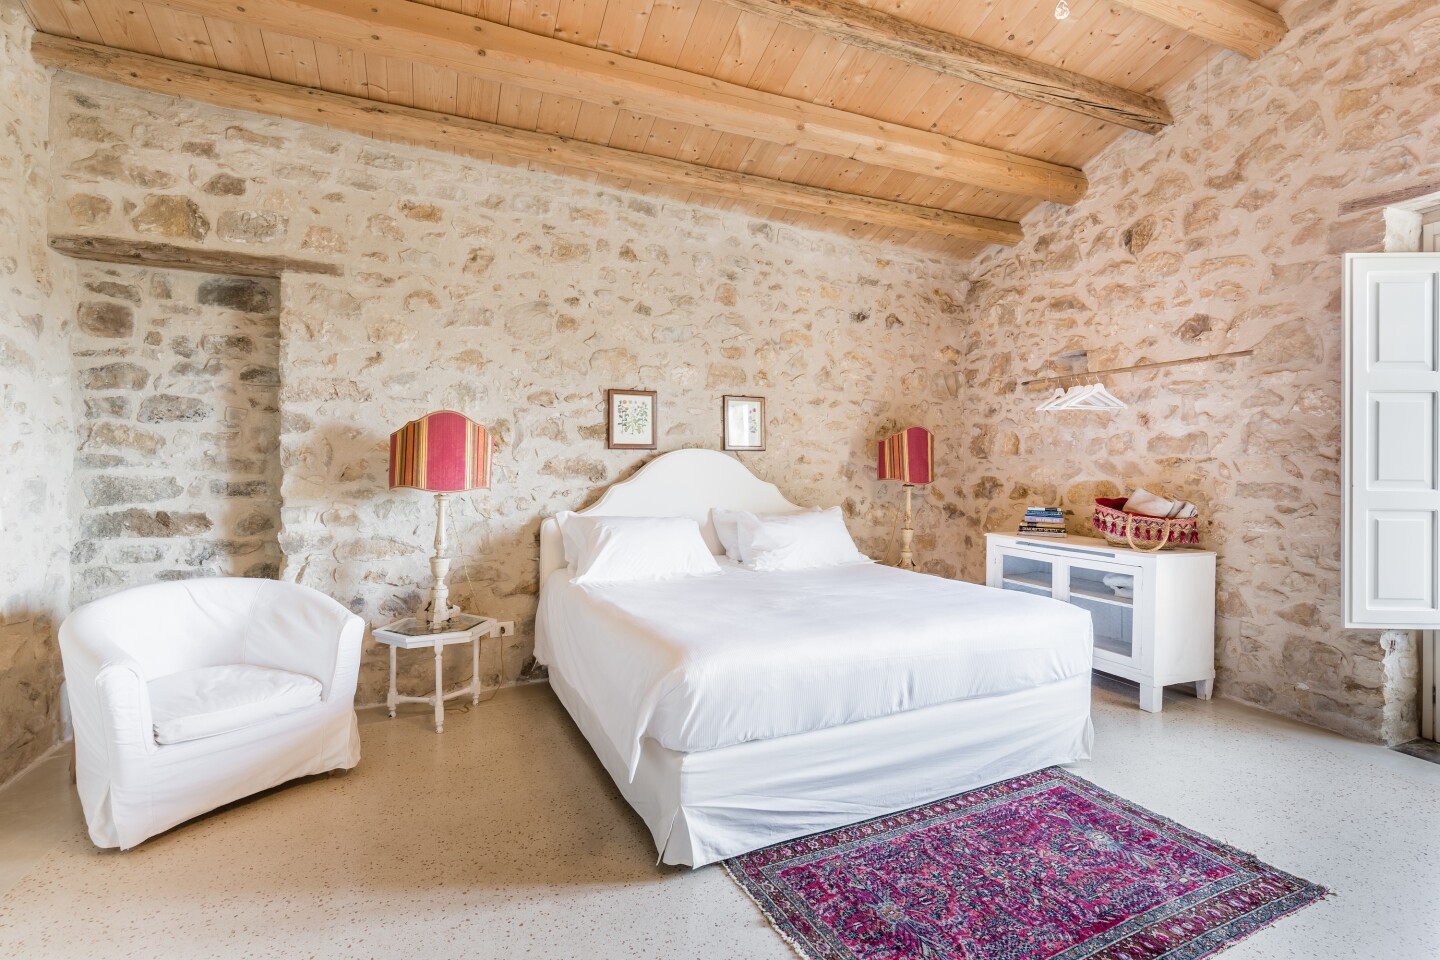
[[439, 688], [1152, 697], [390, 697], [475, 672], [1204, 689]]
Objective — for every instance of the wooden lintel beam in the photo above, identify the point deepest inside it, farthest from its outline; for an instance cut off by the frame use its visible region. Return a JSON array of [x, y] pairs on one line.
[[492, 51], [922, 46], [477, 138], [169, 256], [1240, 25]]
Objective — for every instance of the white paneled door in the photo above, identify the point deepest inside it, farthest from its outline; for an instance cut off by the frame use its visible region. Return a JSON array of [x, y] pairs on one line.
[[1392, 457]]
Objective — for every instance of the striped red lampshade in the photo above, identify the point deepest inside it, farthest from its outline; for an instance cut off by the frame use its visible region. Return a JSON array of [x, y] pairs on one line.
[[908, 456], [442, 452]]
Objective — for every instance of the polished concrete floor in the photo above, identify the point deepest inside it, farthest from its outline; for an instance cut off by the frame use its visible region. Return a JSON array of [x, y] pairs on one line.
[[504, 838]]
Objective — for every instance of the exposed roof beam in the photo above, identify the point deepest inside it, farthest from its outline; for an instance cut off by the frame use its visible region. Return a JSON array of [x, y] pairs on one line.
[[492, 51], [922, 46], [476, 138], [1240, 25]]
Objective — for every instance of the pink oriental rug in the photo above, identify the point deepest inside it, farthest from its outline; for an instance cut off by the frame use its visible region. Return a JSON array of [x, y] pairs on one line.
[[1042, 867]]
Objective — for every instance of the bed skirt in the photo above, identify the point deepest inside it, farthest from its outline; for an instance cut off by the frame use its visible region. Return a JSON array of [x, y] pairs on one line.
[[706, 806]]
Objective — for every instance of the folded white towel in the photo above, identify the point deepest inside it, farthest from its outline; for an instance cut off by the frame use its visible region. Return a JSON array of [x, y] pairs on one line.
[[1147, 504]]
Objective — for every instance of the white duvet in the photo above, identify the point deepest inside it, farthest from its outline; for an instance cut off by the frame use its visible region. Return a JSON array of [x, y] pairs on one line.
[[706, 662]]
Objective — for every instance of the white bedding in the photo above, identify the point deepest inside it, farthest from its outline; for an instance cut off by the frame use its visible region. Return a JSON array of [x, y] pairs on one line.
[[707, 662]]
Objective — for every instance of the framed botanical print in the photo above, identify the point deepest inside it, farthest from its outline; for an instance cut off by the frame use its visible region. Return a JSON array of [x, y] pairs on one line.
[[744, 420], [630, 420]]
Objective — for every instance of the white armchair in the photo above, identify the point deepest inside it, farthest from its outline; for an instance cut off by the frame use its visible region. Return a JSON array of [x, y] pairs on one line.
[[188, 695]]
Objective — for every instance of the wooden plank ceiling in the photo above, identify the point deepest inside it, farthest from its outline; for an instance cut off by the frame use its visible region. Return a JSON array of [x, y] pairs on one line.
[[933, 124]]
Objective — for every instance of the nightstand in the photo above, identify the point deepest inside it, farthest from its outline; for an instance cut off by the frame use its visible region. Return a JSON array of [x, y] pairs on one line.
[[412, 634]]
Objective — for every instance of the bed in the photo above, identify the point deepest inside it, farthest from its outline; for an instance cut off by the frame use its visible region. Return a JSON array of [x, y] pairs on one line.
[[739, 710]]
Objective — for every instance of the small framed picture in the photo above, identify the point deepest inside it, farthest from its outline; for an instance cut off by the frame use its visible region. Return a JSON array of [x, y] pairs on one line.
[[744, 419], [630, 420]]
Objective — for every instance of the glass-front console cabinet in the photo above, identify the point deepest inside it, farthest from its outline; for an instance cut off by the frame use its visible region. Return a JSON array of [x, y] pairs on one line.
[[1154, 613]]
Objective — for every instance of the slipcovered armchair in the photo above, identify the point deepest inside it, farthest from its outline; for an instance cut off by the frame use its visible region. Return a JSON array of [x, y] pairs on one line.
[[188, 695]]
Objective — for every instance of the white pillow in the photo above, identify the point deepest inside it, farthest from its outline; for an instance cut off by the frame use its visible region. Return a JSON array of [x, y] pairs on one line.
[[605, 549], [727, 530], [797, 541]]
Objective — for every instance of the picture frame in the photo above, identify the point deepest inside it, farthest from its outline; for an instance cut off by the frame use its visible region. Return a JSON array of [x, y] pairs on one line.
[[631, 420], [742, 421]]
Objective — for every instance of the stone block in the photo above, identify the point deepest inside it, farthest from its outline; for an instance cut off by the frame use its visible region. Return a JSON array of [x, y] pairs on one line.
[[242, 489], [123, 437], [109, 288], [145, 523], [97, 408], [106, 319], [248, 226], [224, 185], [238, 293], [171, 216], [88, 209], [110, 490], [169, 408]]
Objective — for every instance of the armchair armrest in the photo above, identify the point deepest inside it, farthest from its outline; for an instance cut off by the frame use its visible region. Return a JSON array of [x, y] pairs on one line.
[[124, 700], [347, 662], [295, 628], [109, 699]]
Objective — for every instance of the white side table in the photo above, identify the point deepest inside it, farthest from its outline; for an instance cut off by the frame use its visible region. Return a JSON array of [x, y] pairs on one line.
[[411, 634]]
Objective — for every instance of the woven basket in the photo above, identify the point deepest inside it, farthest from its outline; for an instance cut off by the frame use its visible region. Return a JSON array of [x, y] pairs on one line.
[[1139, 532]]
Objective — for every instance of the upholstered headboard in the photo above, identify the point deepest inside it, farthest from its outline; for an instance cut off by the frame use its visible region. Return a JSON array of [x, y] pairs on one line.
[[684, 483]]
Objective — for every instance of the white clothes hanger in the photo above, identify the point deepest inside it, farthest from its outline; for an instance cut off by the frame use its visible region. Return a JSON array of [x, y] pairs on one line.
[[1049, 402], [1089, 396]]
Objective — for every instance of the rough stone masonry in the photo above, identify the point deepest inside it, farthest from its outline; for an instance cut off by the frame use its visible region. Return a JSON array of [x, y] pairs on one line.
[[177, 452]]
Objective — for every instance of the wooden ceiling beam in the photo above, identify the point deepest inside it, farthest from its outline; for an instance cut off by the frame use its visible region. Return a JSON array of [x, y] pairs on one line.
[[493, 51], [1240, 25], [477, 138], [922, 46]]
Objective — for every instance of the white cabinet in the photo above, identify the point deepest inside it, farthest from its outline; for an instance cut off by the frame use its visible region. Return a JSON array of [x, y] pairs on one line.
[[1157, 631]]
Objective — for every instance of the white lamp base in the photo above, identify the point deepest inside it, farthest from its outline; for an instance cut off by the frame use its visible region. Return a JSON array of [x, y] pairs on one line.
[[439, 596], [907, 537]]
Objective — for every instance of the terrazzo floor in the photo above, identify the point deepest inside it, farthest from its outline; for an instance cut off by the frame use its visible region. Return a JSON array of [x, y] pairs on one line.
[[503, 837]]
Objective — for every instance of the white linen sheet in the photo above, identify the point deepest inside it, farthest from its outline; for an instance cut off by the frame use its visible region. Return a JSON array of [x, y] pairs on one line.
[[703, 807], [704, 663]]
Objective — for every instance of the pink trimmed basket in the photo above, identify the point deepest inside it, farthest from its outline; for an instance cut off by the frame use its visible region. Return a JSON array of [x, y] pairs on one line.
[[1139, 532]]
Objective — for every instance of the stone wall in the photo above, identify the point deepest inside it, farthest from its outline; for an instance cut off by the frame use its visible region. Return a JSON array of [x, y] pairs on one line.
[[516, 298], [1223, 233], [36, 435], [177, 458]]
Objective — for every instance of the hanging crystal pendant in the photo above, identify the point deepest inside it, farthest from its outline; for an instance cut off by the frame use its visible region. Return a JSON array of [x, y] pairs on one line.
[[1062, 10]]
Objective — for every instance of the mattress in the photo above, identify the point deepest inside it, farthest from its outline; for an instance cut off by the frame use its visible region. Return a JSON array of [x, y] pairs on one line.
[[708, 662]]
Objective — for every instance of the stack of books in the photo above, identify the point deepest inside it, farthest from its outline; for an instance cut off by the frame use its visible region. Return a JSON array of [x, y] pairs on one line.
[[1043, 522]]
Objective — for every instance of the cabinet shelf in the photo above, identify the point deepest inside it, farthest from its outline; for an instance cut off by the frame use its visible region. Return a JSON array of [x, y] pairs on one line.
[[1035, 582], [1104, 595]]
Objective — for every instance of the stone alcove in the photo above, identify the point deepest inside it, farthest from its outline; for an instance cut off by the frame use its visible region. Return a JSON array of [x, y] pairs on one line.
[[177, 376]]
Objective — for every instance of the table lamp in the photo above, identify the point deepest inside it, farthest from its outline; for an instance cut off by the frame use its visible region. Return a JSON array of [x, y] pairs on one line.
[[908, 456], [441, 453]]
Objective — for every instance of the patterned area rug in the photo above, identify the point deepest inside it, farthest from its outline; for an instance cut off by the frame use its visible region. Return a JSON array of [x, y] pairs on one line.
[[1042, 867]]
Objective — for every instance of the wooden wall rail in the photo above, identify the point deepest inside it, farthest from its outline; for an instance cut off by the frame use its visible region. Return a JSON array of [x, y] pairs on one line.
[[169, 256]]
